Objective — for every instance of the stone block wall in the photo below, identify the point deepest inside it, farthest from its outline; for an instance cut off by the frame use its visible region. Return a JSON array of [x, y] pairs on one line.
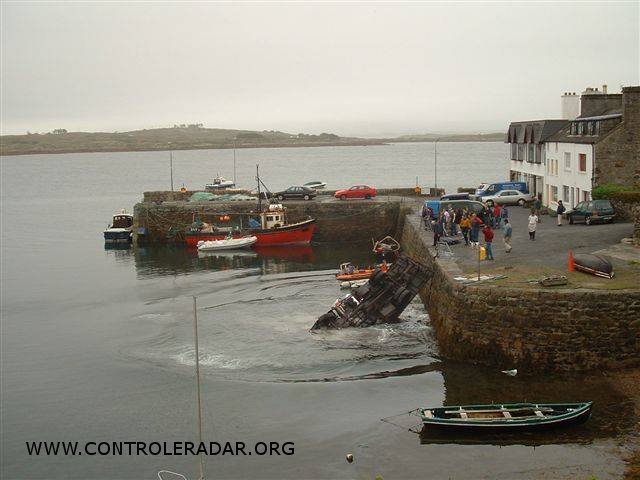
[[336, 221], [617, 155], [532, 329]]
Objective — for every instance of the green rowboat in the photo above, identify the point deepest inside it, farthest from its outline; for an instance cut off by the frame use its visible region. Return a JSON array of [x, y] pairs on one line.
[[506, 417]]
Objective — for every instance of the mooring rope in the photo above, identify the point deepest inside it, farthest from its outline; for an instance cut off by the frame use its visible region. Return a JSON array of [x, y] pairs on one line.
[[410, 412]]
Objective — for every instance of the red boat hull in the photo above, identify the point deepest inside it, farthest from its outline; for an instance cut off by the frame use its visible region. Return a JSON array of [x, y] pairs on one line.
[[296, 234]]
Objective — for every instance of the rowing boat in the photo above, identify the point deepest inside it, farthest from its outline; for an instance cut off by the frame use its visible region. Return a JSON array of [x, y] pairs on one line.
[[507, 417]]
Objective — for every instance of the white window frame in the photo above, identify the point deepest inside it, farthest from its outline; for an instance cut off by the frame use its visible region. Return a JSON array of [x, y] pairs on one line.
[[567, 161]]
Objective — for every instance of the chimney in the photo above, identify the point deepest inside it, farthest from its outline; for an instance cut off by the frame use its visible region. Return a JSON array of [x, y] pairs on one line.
[[631, 108], [570, 106]]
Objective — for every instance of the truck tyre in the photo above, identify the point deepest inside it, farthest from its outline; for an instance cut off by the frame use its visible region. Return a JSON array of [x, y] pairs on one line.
[[377, 277]]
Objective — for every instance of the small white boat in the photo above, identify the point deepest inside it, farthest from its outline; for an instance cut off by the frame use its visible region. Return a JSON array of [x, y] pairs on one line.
[[120, 230], [219, 183], [226, 244]]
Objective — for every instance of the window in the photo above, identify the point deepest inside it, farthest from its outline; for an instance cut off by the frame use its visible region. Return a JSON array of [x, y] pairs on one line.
[[514, 151], [574, 128], [567, 161], [539, 152], [582, 162], [521, 152], [585, 195], [554, 193], [556, 147], [532, 153], [565, 193]]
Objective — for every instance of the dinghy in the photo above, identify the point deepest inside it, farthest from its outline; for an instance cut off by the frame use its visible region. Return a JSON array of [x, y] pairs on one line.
[[507, 417], [228, 243], [593, 264]]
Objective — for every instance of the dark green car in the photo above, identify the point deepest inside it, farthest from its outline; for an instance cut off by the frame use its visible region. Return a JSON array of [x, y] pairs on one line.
[[593, 211]]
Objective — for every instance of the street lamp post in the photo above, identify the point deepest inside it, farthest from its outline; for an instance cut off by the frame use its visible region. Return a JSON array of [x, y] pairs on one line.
[[435, 163], [234, 160], [171, 164]]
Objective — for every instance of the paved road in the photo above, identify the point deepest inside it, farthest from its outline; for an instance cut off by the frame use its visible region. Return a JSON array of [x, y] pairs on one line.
[[551, 246]]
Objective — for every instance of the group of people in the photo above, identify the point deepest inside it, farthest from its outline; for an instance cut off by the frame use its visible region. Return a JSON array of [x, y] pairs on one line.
[[471, 224]]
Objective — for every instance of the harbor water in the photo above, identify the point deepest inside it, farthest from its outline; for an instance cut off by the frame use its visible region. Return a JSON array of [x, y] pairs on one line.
[[97, 344]]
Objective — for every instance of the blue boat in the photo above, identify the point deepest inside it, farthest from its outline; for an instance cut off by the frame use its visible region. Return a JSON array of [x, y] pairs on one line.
[[507, 417], [120, 230]]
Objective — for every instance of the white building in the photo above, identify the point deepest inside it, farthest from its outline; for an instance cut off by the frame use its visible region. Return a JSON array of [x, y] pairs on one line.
[[556, 158], [571, 159]]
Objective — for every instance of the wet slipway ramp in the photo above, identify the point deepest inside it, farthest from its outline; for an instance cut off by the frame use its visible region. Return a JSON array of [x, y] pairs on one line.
[[254, 326]]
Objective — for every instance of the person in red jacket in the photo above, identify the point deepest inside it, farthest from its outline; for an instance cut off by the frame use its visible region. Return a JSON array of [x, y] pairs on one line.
[[488, 240]]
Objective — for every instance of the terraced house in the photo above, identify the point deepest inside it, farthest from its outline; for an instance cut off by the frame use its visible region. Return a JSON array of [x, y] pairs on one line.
[[564, 159]]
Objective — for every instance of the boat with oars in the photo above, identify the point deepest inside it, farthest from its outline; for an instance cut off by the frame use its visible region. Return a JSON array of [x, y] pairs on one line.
[[505, 417]]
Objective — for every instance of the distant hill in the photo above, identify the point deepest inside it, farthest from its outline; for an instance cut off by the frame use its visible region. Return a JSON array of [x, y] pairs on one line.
[[193, 137], [464, 137]]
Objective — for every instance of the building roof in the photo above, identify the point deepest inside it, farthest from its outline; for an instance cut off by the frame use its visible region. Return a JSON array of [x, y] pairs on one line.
[[533, 131], [565, 136], [601, 117]]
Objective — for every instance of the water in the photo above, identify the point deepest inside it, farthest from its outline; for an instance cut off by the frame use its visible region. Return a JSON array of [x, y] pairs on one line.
[[97, 345]]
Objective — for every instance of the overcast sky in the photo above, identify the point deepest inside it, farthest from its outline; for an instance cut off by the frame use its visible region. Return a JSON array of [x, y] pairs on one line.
[[352, 69]]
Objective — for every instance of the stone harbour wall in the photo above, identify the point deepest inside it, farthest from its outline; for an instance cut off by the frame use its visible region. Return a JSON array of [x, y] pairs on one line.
[[532, 329], [335, 222]]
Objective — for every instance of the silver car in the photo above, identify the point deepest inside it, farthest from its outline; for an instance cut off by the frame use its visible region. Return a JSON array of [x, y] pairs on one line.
[[509, 197]]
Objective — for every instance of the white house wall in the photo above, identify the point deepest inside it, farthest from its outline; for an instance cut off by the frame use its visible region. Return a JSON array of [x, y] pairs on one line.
[[579, 183]]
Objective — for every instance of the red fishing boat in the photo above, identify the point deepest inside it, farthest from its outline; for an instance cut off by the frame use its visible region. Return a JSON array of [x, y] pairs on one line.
[[270, 227]]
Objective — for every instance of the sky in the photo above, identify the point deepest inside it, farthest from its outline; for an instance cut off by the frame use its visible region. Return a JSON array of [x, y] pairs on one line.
[[365, 69]]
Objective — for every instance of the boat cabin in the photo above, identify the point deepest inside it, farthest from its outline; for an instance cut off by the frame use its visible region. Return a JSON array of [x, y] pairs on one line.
[[273, 217], [122, 220]]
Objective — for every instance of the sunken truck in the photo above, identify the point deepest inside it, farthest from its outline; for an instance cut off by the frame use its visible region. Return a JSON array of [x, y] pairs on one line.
[[381, 300]]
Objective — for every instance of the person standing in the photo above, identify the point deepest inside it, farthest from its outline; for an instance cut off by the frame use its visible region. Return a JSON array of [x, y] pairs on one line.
[[476, 223], [454, 222], [488, 240], [437, 230], [538, 207], [505, 213], [531, 226], [465, 227], [507, 231], [497, 215], [560, 210]]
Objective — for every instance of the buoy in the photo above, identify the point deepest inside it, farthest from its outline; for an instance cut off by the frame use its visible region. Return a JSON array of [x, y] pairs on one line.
[[349, 457], [571, 264]]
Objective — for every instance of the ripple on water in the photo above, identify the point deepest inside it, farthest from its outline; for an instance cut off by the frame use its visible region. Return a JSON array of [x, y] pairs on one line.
[[257, 328]]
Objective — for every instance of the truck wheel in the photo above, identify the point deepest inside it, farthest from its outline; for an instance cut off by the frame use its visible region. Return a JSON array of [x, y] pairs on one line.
[[377, 277]]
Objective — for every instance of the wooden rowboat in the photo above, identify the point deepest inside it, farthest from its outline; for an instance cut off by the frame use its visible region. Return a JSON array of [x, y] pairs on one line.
[[507, 417], [593, 264]]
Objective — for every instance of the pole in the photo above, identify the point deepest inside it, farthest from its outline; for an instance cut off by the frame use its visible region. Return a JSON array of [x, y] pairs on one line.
[[435, 163], [479, 250], [171, 167], [259, 194], [234, 160], [195, 330]]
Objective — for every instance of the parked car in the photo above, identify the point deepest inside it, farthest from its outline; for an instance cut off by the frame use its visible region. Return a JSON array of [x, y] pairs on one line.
[[357, 191], [489, 189], [509, 197], [455, 196], [471, 205], [593, 211], [296, 192]]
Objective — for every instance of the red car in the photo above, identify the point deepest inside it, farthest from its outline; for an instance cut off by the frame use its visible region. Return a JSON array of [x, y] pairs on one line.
[[357, 191]]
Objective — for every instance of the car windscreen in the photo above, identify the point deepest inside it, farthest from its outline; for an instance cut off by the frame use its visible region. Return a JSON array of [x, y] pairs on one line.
[[602, 204]]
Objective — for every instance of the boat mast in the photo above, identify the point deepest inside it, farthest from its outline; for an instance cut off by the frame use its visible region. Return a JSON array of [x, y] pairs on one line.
[[195, 329], [259, 195]]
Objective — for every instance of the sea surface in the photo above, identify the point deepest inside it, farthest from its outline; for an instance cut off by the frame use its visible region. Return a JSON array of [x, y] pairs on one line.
[[97, 344]]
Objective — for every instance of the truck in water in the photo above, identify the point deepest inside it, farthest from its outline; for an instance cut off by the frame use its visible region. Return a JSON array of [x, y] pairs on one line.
[[381, 300]]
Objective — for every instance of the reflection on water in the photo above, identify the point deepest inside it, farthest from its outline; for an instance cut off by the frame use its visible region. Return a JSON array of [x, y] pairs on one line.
[[179, 260]]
